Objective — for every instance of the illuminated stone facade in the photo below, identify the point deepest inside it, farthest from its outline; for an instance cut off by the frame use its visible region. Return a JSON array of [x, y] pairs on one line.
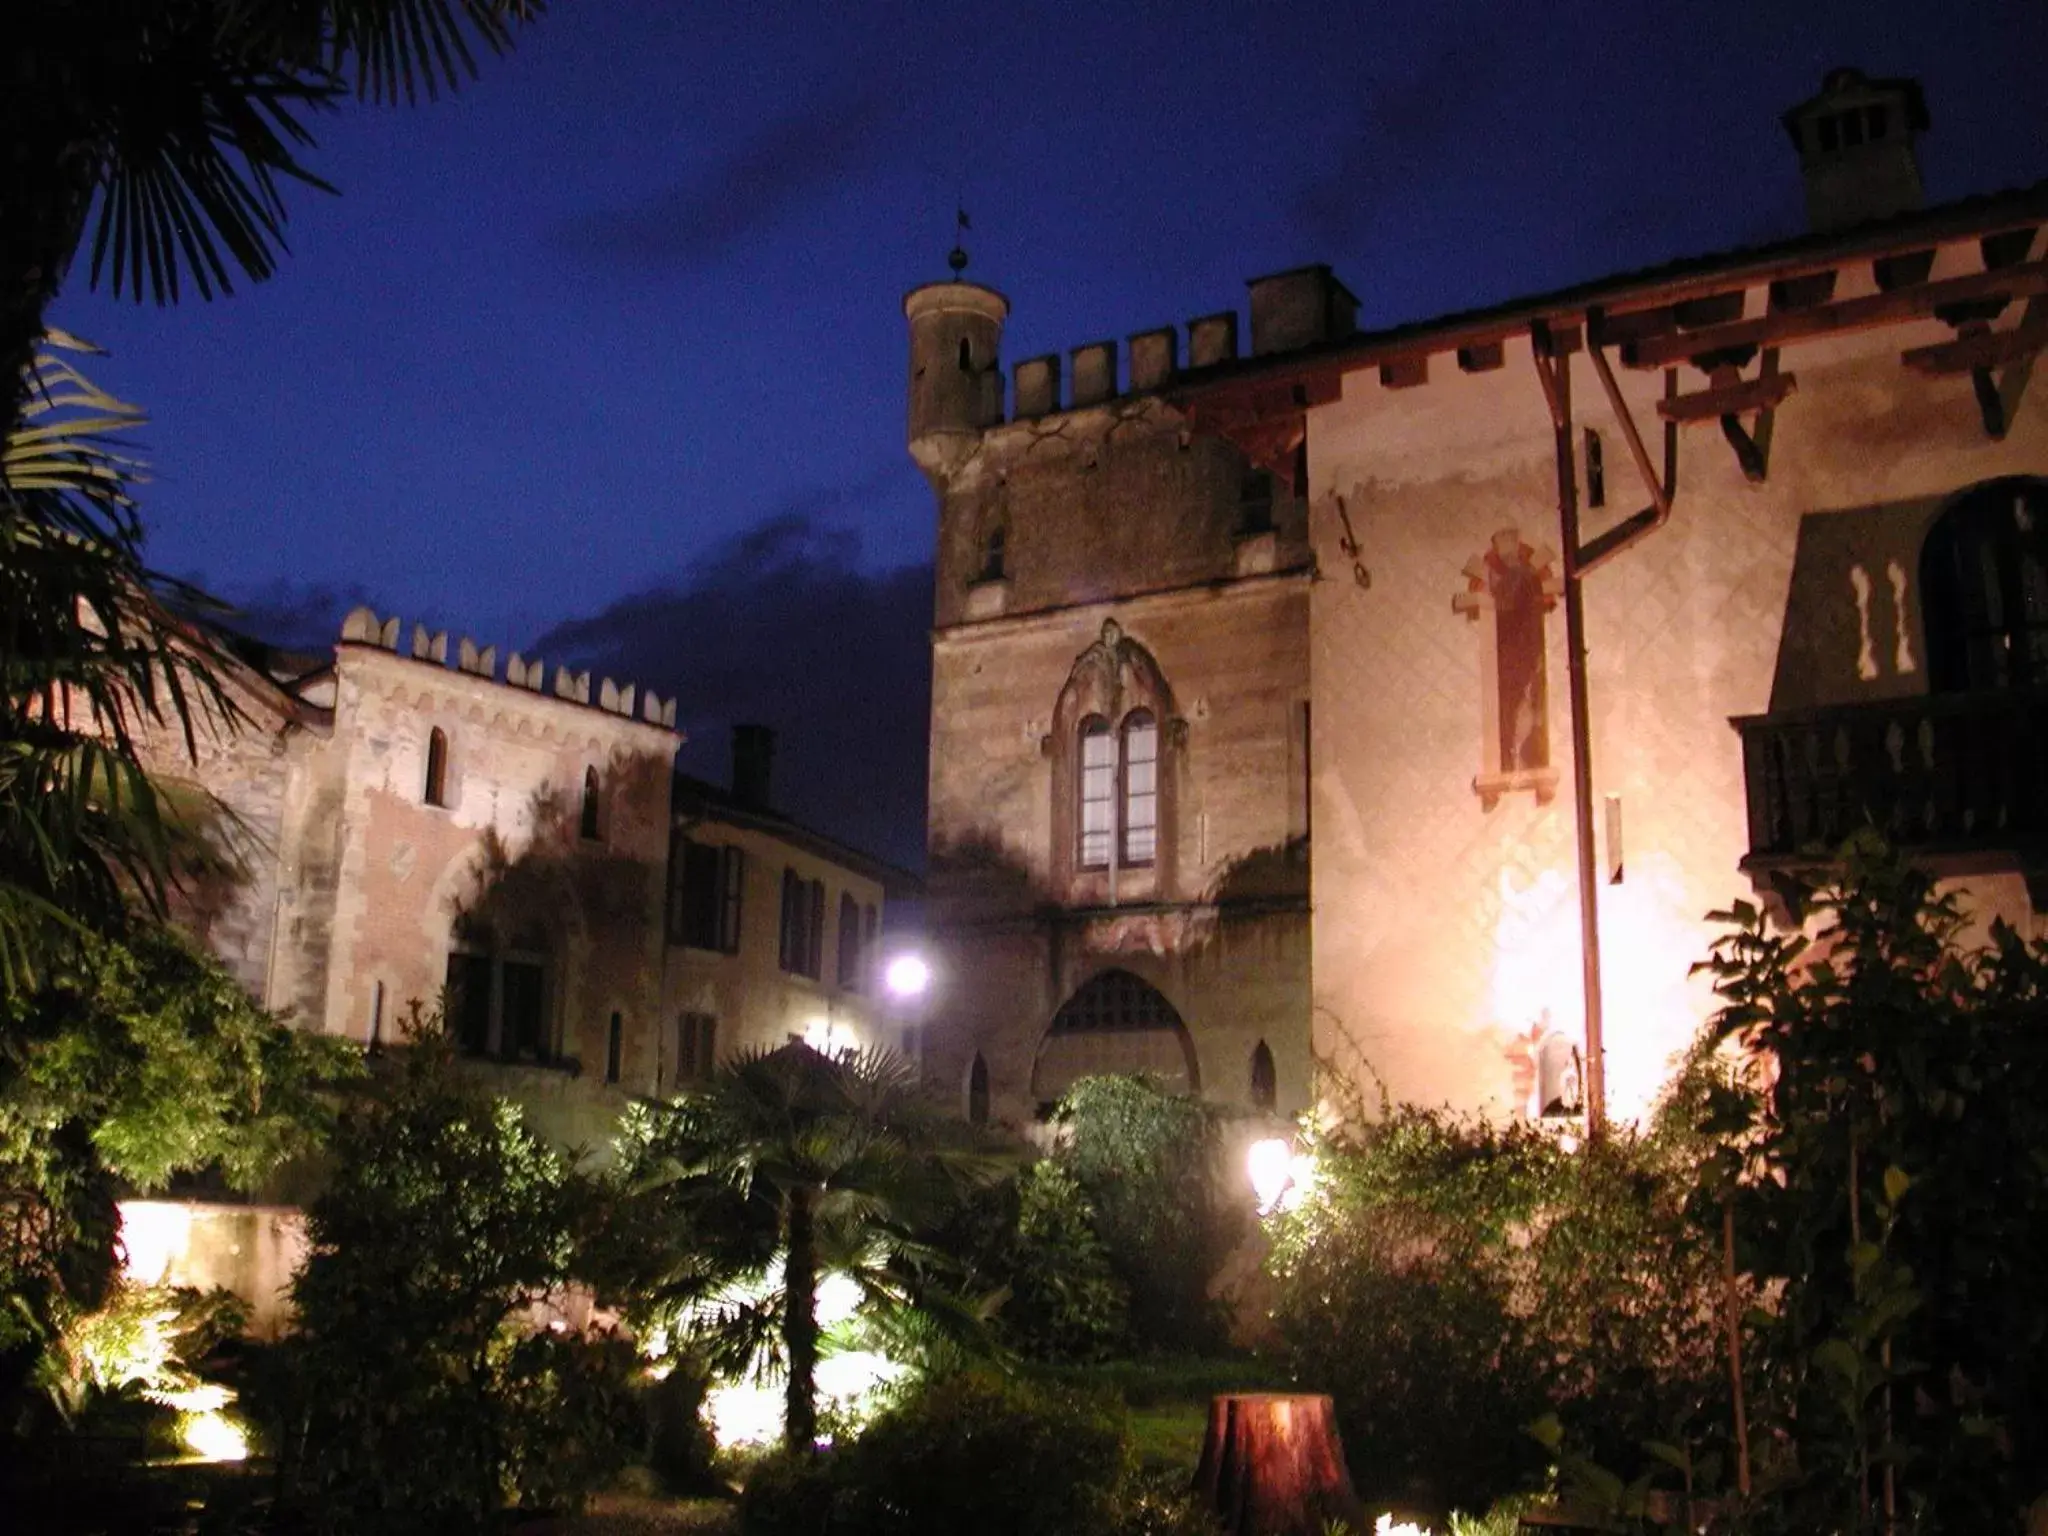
[[400, 825], [1835, 611]]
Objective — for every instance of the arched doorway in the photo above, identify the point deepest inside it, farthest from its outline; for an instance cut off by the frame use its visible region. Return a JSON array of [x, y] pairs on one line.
[[1115, 1022]]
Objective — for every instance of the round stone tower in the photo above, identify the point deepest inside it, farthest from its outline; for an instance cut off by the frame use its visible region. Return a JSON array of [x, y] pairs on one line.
[[956, 382]]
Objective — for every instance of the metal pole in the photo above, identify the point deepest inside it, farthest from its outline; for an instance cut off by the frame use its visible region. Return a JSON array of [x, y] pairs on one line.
[[1582, 735]]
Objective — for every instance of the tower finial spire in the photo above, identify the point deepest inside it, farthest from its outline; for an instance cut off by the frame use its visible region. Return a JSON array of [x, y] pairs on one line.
[[957, 257]]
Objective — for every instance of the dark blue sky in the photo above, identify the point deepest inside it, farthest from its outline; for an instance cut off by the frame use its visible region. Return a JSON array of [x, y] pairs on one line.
[[608, 349]]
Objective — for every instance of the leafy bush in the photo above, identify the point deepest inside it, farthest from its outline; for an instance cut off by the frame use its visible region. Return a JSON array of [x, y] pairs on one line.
[[423, 1398], [790, 1493], [1032, 1239], [1450, 1281], [977, 1452], [1148, 1163], [1889, 1190]]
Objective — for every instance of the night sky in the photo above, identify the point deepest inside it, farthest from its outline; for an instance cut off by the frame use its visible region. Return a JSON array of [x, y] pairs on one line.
[[605, 355]]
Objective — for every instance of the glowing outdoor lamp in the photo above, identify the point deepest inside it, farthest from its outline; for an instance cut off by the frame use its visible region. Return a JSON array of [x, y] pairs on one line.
[[1271, 1166], [907, 976]]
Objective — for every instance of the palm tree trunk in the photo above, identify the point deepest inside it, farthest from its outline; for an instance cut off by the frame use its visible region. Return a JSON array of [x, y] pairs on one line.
[[800, 1322]]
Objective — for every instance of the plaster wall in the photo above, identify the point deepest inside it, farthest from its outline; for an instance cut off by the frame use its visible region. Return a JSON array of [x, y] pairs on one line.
[[757, 1004], [503, 854], [1446, 933]]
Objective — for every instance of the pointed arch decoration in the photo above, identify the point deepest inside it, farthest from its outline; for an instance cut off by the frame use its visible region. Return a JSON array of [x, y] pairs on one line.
[[1115, 1022]]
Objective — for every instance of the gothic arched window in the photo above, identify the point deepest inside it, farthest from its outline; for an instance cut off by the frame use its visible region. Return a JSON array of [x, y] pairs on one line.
[[589, 820], [1140, 787], [1984, 587], [1097, 781]]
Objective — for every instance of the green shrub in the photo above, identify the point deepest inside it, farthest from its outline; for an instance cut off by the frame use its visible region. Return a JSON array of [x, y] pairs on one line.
[[978, 1453], [1148, 1163], [1449, 1282], [790, 1493], [1032, 1239], [1159, 1504], [421, 1398]]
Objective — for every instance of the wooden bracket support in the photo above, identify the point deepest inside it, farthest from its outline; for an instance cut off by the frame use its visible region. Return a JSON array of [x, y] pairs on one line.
[[1727, 397], [1977, 351]]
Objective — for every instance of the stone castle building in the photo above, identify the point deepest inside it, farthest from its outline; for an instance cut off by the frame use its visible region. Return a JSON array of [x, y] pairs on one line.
[[1392, 705], [517, 841]]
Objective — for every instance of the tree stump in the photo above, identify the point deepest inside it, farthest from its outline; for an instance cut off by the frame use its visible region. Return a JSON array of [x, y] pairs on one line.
[[1273, 1465]]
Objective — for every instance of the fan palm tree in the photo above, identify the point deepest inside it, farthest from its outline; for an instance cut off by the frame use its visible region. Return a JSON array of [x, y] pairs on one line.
[[788, 1166], [168, 127], [95, 664]]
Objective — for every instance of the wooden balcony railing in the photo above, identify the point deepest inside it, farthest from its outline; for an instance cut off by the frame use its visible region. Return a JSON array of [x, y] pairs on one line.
[[1937, 773]]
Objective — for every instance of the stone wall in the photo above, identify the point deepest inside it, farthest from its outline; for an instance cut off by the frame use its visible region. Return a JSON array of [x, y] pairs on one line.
[[1446, 925]]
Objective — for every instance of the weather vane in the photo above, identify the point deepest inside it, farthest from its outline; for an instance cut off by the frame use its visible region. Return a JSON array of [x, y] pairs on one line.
[[957, 257]]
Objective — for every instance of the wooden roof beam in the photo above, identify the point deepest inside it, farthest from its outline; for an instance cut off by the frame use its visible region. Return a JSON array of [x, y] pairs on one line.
[[2023, 281]]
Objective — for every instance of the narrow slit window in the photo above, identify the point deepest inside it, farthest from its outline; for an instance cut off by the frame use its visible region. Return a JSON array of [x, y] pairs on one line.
[[589, 826], [1596, 470], [1141, 787], [977, 1092], [1098, 791], [849, 942], [614, 1048], [966, 355], [435, 790], [1265, 1082]]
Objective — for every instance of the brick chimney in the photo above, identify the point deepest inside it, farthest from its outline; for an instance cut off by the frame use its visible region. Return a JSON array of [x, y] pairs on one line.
[[1855, 143], [753, 765]]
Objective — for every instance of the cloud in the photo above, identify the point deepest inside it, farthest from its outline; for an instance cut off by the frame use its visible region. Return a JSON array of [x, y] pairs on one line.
[[756, 186], [293, 615], [1403, 130], [780, 626]]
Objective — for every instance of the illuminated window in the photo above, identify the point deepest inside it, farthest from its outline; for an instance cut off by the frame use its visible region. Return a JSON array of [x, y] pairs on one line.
[[589, 827], [1141, 787], [435, 790], [1098, 791]]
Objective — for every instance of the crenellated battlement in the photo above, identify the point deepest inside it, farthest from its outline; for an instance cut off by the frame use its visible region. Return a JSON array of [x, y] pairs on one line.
[[363, 626], [1289, 310]]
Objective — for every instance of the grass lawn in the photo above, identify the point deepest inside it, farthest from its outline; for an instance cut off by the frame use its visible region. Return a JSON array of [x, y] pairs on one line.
[[1166, 1399]]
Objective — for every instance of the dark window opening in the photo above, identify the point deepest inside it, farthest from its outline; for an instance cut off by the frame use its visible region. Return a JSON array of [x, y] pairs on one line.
[[966, 355], [1830, 136], [994, 554], [1255, 504], [696, 1047], [589, 825], [1265, 1082], [977, 1092], [705, 882], [469, 1003], [1875, 122], [1852, 129], [1984, 589], [435, 790], [849, 942], [614, 1048], [523, 1024], [1596, 470], [803, 926]]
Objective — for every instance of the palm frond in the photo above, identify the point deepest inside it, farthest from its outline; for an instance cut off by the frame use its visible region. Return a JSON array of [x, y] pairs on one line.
[[95, 671]]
